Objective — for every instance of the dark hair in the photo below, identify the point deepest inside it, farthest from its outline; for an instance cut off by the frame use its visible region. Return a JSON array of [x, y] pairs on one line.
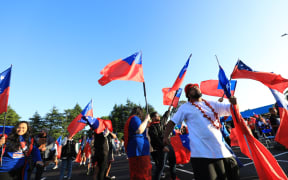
[[138, 111], [153, 114], [13, 140]]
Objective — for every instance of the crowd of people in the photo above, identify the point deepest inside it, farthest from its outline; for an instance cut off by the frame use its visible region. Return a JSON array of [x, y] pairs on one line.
[[145, 137]]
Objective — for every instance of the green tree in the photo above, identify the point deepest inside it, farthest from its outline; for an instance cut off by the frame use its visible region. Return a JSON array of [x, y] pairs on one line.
[[70, 115], [11, 117], [121, 113], [54, 121], [36, 122]]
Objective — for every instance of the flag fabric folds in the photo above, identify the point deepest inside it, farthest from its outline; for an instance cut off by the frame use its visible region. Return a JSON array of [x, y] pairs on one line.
[[169, 93], [266, 165], [5, 77], [180, 144], [129, 68], [277, 85], [168, 96], [59, 146], [97, 125], [76, 125], [213, 88], [282, 134], [273, 81]]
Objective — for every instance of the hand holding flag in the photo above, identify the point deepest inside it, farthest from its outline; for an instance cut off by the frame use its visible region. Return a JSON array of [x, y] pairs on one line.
[[266, 165], [76, 126]]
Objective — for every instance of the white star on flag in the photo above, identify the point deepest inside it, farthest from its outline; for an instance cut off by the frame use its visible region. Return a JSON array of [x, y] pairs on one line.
[[1, 78]]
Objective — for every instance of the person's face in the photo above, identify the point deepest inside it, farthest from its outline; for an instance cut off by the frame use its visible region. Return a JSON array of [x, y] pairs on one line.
[[194, 92], [21, 129], [43, 133], [156, 117]]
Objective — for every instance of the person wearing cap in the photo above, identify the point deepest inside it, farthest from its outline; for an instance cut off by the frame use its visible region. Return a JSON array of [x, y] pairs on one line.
[[210, 158]]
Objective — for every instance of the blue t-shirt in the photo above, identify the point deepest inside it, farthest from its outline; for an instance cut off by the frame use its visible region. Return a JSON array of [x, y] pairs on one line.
[[15, 160], [138, 144]]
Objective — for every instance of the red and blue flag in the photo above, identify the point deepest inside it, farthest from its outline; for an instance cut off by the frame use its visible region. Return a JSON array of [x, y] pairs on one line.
[[129, 69], [266, 165], [77, 125], [282, 134], [169, 93], [97, 125], [59, 146], [4, 89], [273, 81], [168, 97], [180, 144], [213, 88], [277, 85]]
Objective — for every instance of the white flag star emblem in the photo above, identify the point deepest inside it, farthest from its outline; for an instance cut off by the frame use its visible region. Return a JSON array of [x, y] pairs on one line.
[[1, 78]]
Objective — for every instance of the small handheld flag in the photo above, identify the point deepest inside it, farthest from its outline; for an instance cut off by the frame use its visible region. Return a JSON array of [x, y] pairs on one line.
[[75, 126]]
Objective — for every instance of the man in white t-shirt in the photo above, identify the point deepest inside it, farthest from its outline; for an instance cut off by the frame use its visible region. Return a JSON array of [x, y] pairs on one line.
[[209, 156]]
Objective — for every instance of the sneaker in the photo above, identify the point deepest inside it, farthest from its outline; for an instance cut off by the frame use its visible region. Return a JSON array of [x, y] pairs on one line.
[[55, 167], [109, 178], [65, 177], [43, 178]]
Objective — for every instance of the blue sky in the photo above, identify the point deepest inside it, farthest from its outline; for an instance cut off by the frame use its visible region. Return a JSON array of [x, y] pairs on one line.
[[58, 49]]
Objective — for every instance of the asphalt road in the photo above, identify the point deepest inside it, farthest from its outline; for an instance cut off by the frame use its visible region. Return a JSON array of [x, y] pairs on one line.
[[120, 168]]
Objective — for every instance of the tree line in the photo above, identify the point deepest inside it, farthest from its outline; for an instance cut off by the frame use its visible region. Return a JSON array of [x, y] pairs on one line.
[[57, 122]]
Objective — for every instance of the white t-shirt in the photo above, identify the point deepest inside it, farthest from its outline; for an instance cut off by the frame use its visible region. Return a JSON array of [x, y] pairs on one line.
[[205, 140]]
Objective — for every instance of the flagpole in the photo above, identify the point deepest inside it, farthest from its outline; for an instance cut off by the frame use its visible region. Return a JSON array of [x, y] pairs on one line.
[[144, 88], [237, 120], [3, 134], [173, 99]]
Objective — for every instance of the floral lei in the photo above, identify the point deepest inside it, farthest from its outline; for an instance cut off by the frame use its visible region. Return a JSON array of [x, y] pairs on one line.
[[218, 125]]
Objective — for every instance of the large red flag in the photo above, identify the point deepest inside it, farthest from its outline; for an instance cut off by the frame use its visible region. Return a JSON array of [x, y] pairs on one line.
[[76, 125], [129, 68], [273, 81], [4, 89], [213, 88], [266, 165], [277, 85], [169, 93]]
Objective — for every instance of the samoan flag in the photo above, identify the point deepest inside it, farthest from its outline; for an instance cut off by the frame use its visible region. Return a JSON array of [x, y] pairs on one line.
[[59, 146], [177, 97], [282, 134], [97, 125], [224, 82], [168, 93], [180, 144], [272, 80], [4, 89], [77, 125], [266, 165], [277, 85], [214, 88], [129, 68]]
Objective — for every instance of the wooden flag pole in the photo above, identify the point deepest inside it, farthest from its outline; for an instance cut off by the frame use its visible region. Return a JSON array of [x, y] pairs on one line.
[[3, 135], [173, 100], [144, 88]]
